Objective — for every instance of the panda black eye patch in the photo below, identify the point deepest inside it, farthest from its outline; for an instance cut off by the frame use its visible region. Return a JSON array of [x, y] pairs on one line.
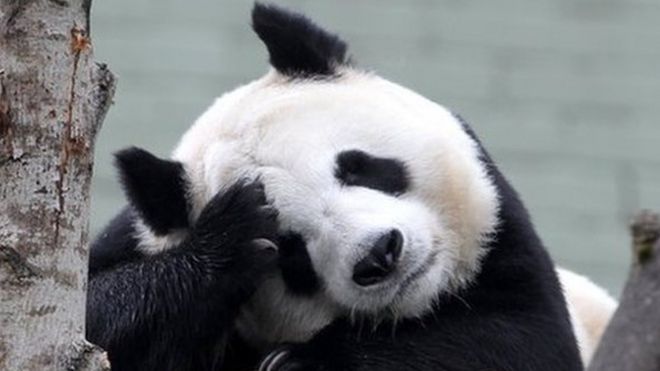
[[358, 168]]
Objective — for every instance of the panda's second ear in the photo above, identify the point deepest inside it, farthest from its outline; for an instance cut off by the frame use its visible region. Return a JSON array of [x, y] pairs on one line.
[[297, 46], [156, 188]]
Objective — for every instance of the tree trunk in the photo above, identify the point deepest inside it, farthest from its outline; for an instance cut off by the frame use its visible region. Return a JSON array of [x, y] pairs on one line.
[[632, 339], [53, 98]]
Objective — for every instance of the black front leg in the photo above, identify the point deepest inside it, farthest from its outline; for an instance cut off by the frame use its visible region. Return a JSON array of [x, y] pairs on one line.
[[412, 345], [173, 310], [452, 340]]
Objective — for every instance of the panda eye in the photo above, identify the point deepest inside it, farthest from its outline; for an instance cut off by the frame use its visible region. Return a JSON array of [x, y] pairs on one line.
[[358, 168]]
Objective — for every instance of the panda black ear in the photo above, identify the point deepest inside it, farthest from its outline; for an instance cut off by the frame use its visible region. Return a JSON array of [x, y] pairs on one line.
[[155, 187], [297, 46]]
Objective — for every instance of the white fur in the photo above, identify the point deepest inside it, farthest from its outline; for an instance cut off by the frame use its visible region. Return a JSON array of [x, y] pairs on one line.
[[288, 135], [149, 243], [590, 307]]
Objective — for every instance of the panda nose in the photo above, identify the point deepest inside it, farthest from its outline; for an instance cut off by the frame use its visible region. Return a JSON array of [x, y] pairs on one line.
[[381, 261]]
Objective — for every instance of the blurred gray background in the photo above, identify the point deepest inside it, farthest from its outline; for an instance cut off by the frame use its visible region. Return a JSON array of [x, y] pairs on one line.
[[564, 93]]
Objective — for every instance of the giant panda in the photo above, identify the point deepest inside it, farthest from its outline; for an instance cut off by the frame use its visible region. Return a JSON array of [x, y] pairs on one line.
[[324, 218]]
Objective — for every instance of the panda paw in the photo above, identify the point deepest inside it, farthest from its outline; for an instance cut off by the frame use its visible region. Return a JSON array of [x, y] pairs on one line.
[[286, 358], [238, 226]]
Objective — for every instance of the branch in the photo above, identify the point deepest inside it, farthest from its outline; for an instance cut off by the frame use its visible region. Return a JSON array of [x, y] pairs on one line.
[[104, 89], [632, 339]]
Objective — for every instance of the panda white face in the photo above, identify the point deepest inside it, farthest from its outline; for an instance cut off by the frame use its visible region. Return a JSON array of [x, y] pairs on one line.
[[383, 188]]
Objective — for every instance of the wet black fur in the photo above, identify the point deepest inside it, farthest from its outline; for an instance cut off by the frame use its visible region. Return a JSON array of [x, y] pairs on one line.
[[297, 47]]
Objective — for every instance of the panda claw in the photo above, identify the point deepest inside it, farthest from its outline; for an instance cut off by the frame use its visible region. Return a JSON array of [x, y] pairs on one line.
[[265, 244], [275, 360]]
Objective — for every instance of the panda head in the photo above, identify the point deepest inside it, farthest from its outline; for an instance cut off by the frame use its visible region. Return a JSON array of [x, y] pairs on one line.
[[383, 200]]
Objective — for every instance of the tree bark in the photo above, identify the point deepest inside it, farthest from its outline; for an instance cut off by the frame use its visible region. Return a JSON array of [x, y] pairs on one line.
[[53, 98], [632, 339]]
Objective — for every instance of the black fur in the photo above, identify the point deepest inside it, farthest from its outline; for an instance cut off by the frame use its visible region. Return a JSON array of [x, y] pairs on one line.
[[175, 310], [296, 266], [512, 318], [297, 47], [156, 187], [115, 244], [358, 168]]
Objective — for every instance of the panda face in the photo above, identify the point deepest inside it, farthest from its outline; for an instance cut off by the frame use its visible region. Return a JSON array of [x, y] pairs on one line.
[[382, 187]]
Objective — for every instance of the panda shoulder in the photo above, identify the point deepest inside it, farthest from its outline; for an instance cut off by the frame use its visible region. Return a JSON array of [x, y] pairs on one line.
[[116, 243]]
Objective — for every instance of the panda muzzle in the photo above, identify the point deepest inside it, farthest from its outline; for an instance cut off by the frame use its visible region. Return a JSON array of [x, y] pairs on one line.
[[381, 260]]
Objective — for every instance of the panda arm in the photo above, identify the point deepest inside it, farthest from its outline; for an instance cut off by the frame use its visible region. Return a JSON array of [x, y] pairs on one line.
[[350, 347], [116, 244], [167, 309], [146, 311], [441, 342]]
